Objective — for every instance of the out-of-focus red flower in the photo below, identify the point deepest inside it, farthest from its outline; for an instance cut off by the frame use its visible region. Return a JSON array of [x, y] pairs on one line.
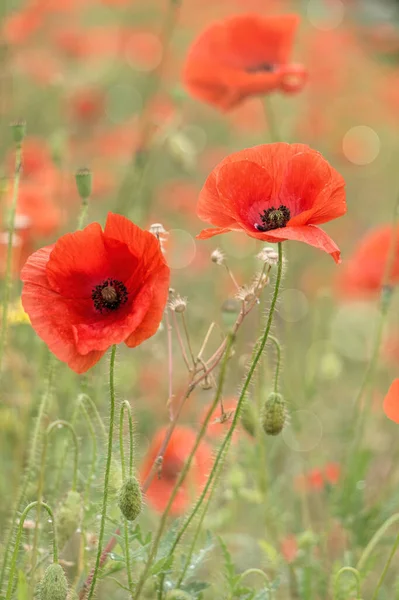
[[363, 273], [274, 192], [36, 211], [332, 473], [104, 288], [86, 105], [177, 451], [315, 479], [220, 423], [391, 402], [21, 25], [244, 55], [289, 548]]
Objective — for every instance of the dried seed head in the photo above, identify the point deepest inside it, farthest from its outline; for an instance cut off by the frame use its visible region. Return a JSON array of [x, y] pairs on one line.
[[69, 517], [274, 414], [246, 293], [206, 383], [178, 304], [160, 233], [54, 585], [268, 255], [83, 179], [130, 499], [218, 257]]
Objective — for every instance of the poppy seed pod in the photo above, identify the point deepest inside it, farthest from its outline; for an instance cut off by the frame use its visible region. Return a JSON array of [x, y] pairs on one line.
[[83, 179], [18, 131], [273, 414], [130, 499], [69, 516], [54, 585]]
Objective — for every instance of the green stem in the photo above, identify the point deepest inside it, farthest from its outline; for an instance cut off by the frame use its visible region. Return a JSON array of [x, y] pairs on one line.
[[125, 405], [86, 398], [184, 471], [356, 575], [49, 430], [18, 542], [94, 453], [386, 568], [224, 446], [278, 365], [375, 539], [107, 470], [8, 274], [84, 209], [30, 466]]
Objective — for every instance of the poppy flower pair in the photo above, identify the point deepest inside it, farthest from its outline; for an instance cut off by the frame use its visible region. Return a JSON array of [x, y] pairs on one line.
[[96, 288], [242, 56]]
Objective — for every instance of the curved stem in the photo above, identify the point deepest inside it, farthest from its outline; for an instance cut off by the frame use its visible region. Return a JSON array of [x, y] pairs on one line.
[[356, 575], [253, 572], [375, 539], [8, 274], [386, 568], [125, 405], [107, 470], [86, 398], [224, 446], [278, 365], [49, 430], [184, 471], [30, 466], [18, 541], [94, 453]]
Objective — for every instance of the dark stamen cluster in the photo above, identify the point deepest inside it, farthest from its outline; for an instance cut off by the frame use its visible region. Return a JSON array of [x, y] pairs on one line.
[[274, 218], [109, 295], [262, 67]]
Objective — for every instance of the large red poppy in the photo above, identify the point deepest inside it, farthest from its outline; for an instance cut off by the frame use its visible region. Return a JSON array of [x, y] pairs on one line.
[[96, 288], [274, 192], [363, 273], [176, 453], [243, 56]]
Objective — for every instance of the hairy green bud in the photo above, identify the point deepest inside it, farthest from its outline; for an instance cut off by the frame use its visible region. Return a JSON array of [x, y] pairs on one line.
[[54, 585], [18, 129], [273, 414], [69, 517], [130, 499]]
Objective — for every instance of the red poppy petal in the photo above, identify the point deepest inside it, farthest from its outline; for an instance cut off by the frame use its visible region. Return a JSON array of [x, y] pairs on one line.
[[309, 234], [391, 402], [247, 189], [205, 234], [52, 326], [150, 323], [213, 209]]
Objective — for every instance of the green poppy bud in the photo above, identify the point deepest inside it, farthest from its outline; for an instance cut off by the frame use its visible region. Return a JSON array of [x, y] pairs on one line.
[[130, 499], [54, 585], [273, 414]]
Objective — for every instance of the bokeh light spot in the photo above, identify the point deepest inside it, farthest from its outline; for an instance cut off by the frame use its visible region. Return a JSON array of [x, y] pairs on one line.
[[180, 249], [325, 14], [293, 306], [361, 145], [304, 432]]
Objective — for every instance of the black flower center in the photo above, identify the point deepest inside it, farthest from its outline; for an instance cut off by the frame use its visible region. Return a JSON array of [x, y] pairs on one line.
[[261, 67], [109, 295], [273, 218]]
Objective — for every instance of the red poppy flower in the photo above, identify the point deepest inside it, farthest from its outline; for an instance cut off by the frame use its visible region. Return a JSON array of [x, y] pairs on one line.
[[243, 56], [274, 192], [96, 288], [362, 275], [179, 447], [332, 473], [391, 402], [289, 548]]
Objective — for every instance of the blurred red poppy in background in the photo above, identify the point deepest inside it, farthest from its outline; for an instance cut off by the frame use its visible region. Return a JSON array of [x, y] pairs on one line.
[[391, 402], [176, 453], [244, 55], [274, 192], [103, 287], [363, 273]]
